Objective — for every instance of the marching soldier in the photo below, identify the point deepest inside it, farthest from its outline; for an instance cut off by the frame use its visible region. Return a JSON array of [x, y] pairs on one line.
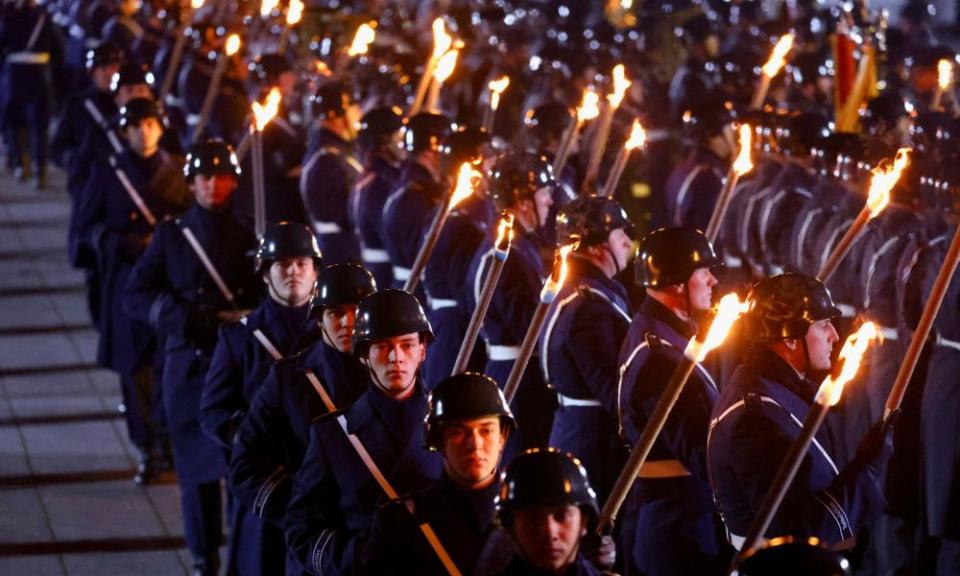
[[195, 276], [669, 523], [692, 84], [468, 423], [123, 30], [335, 493]]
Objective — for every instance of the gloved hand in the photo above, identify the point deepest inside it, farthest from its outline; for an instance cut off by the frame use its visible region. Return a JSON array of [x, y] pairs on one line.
[[601, 551], [876, 446]]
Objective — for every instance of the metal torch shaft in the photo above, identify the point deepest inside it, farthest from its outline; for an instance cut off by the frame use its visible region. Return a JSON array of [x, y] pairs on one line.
[[563, 153], [426, 249], [616, 172], [723, 204], [526, 349], [843, 247], [259, 193], [760, 94], [479, 313], [210, 97], [600, 142], [175, 58]]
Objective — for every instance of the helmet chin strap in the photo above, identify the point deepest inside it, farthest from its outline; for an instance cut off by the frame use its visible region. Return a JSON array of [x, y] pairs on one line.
[[616, 265]]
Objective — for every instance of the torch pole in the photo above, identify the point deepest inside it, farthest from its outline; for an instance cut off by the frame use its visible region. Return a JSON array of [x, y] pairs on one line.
[[760, 94], [488, 115], [433, 98], [528, 345], [480, 312], [284, 40], [843, 247], [175, 58], [616, 172], [422, 87], [259, 194], [210, 97], [930, 310], [723, 204], [600, 142], [783, 479], [563, 153], [429, 243]]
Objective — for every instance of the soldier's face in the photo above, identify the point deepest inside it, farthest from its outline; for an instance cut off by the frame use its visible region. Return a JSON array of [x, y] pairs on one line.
[[700, 289], [102, 75], [549, 536], [621, 247], [214, 191], [471, 450], [144, 137], [543, 200], [338, 323], [395, 361], [820, 338], [291, 280]]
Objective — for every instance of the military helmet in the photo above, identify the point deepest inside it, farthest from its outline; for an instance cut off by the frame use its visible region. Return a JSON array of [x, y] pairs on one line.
[[517, 177], [783, 307], [590, 220], [545, 477], [268, 67], [378, 126], [287, 240], [462, 146], [342, 284], [669, 256], [807, 130], [389, 313], [331, 100], [139, 109], [708, 117], [102, 55], [464, 396], [884, 111], [546, 123], [130, 75], [211, 157], [790, 556], [426, 131]]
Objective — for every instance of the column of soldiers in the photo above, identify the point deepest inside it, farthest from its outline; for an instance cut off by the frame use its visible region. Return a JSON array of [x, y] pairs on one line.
[[293, 369]]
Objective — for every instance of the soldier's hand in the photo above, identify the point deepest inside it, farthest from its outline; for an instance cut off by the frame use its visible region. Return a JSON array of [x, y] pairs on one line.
[[601, 551], [876, 447]]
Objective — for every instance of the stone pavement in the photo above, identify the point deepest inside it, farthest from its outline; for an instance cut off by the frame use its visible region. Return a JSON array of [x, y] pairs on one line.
[[67, 502]]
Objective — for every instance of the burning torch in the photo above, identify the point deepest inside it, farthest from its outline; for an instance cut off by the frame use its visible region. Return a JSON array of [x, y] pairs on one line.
[[496, 88], [177, 55], [637, 138], [262, 115], [294, 14], [588, 110], [741, 165], [771, 69], [620, 86], [231, 48], [364, 37], [944, 81], [441, 44], [443, 70]]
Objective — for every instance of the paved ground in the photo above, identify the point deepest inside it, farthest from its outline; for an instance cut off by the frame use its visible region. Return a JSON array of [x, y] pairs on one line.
[[67, 504]]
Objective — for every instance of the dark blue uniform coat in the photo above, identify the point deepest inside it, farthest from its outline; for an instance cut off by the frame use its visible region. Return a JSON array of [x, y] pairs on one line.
[[373, 189]]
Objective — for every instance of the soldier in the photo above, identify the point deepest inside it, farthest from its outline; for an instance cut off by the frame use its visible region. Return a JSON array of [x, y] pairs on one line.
[[692, 84], [669, 523], [545, 126], [125, 197], [756, 418], [578, 350], [261, 473], [123, 30], [196, 275], [468, 423], [381, 151], [547, 506], [335, 493], [330, 173]]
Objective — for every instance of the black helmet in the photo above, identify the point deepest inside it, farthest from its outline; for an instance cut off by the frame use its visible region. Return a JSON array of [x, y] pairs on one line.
[[464, 146], [697, 29], [884, 111], [545, 477], [131, 75], [287, 240], [789, 556], [783, 307], [547, 123], [342, 284], [137, 110], [590, 220], [267, 67], [425, 131], [708, 118], [103, 55], [669, 256], [211, 157], [807, 130], [386, 314], [517, 176], [330, 100], [464, 396], [378, 126]]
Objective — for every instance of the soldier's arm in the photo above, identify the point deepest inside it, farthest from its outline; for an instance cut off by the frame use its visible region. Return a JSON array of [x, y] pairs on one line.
[[325, 191], [594, 344], [222, 404], [390, 548], [518, 297], [92, 209]]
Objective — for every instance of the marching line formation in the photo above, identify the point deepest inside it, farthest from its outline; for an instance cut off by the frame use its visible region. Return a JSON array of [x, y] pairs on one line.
[[490, 287]]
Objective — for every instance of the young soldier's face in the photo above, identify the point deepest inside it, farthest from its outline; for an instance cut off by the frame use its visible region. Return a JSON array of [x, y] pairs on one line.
[[144, 137], [291, 280], [471, 450], [213, 191], [395, 362], [549, 536], [820, 338], [700, 287], [621, 247], [338, 323]]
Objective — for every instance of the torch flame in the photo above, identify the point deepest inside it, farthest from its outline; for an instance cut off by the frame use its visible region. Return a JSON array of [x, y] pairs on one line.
[[441, 40], [589, 106], [559, 273], [323, 69], [294, 12], [505, 232], [851, 354], [496, 89], [263, 114], [638, 136], [233, 44], [267, 6], [620, 85], [743, 164], [944, 74], [778, 56], [445, 65], [885, 177], [467, 179], [729, 309], [362, 40], [196, 4]]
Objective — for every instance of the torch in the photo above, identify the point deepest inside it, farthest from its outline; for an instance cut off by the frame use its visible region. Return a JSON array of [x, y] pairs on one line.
[[741, 165], [884, 178], [638, 137], [548, 295], [266, 11], [262, 115], [588, 110], [827, 396], [441, 73], [364, 37], [620, 86], [501, 250], [294, 13], [944, 81], [441, 43], [771, 69], [729, 309], [466, 180], [231, 48], [177, 55], [496, 88]]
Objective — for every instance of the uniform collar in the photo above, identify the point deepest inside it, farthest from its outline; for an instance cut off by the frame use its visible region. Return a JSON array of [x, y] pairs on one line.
[[393, 412], [768, 365], [653, 308]]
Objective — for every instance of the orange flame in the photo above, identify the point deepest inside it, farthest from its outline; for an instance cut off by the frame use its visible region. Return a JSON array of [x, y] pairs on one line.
[[559, 273], [743, 163], [441, 40], [496, 89], [851, 354], [263, 114], [267, 6], [323, 69], [885, 177], [505, 232], [589, 106], [467, 179], [638, 136], [620, 85], [362, 40], [944, 74], [233, 44], [294, 12], [729, 309], [778, 56], [196, 4], [446, 65]]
